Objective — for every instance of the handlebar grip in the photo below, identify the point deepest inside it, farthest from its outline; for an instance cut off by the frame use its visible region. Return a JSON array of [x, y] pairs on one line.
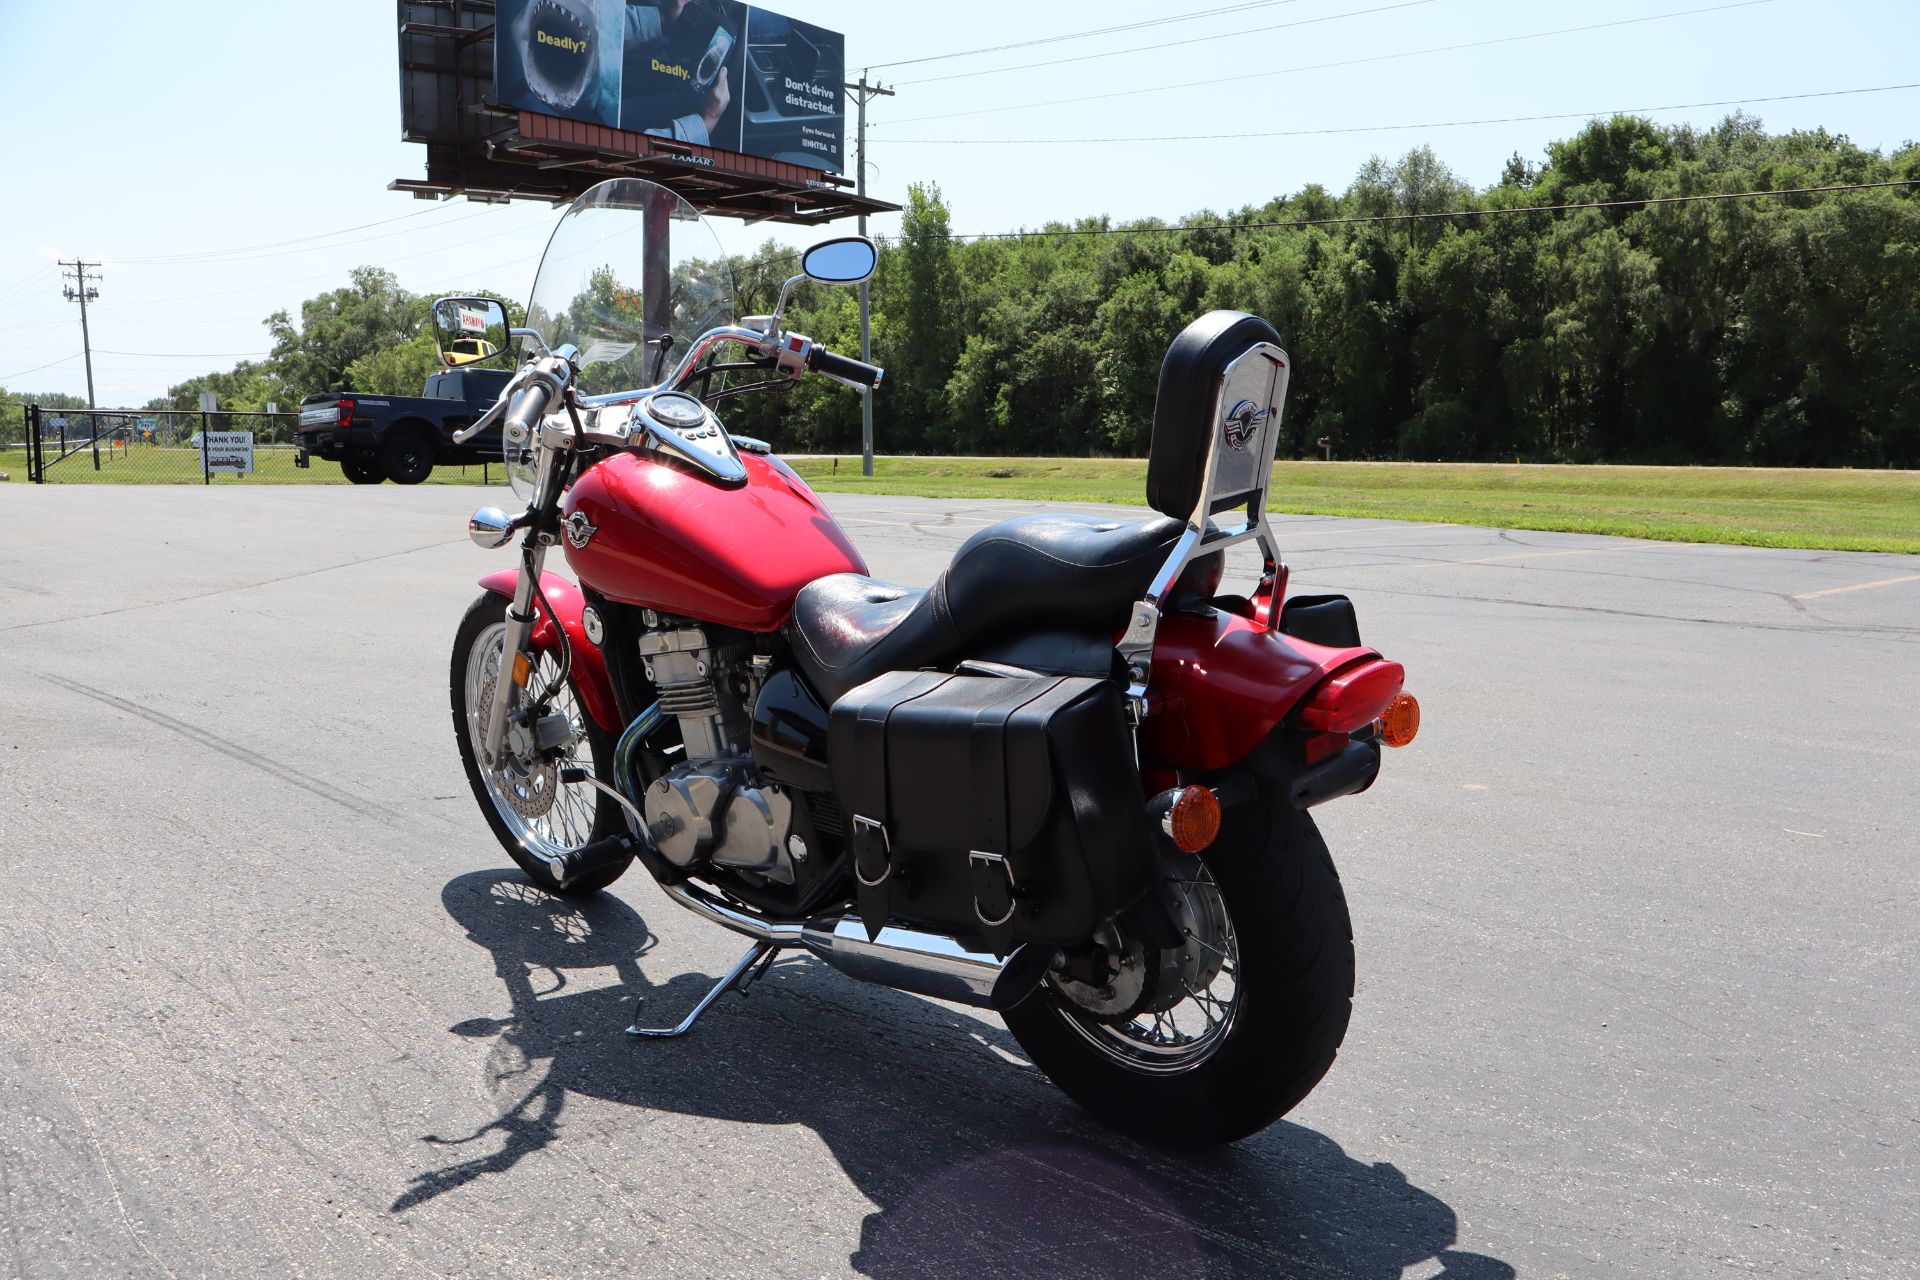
[[529, 408], [845, 368]]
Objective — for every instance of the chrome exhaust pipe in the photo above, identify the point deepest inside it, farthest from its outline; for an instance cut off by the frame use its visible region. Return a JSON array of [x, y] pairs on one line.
[[925, 964]]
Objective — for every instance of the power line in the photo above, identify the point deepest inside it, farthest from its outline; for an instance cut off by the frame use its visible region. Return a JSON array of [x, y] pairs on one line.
[[168, 258], [1324, 66], [186, 355], [1171, 44], [1082, 35], [1428, 217], [210, 261], [37, 368], [1395, 128]]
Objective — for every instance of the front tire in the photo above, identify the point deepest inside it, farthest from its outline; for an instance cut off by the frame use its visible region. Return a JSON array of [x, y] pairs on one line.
[[1290, 998], [537, 814]]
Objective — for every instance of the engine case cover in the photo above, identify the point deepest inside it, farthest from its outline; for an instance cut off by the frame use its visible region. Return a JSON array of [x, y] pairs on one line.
[[720, 811]]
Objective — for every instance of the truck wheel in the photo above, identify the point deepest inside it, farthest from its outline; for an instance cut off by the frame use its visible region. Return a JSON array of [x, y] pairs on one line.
[[407, 455], [359, 472]]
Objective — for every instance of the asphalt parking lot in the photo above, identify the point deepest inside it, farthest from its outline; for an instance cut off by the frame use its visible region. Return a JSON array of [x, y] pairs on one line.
[[1636, 921]]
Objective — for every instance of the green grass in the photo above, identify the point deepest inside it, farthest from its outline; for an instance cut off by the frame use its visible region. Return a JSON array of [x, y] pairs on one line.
[[158, 464], [1827, 510]]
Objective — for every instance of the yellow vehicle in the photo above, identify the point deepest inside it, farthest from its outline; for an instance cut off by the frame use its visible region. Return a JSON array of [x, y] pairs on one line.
[[470, 351]]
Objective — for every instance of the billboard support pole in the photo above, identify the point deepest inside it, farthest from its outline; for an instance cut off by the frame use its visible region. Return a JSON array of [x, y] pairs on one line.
[[865, 93]]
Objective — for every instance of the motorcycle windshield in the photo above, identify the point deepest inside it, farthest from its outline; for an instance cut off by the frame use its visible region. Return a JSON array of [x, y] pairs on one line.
[[632, 276]]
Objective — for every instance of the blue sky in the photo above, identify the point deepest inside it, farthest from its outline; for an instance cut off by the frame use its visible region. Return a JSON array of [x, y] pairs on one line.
[[142, 130]]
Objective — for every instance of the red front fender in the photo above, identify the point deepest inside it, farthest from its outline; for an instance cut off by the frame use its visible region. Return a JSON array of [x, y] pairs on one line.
[[589, 664], [1221, 683]]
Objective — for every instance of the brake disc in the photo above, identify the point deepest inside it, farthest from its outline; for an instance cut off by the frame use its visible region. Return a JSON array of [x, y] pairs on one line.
[[528, 787]]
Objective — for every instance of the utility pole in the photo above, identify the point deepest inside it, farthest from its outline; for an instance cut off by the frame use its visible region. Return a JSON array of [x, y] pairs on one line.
[[865, 93], [79, 292]]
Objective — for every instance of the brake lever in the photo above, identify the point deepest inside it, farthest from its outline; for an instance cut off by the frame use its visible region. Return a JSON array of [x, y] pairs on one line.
[[492, 415]]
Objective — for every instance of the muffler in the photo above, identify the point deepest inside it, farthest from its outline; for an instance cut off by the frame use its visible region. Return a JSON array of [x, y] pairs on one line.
[[925, 964]]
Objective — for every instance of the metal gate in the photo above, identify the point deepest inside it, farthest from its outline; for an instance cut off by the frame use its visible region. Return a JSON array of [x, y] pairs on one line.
[[157, 446]]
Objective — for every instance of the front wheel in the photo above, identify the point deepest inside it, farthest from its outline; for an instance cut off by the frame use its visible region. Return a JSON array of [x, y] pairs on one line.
[[1218, 1039], [533, 814]]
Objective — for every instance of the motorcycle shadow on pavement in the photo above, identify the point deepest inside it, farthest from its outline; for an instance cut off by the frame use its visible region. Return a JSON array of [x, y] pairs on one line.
[[978, 1166]]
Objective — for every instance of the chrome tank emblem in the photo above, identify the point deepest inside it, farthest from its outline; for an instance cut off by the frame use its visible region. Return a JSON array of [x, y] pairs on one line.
[[579, 532]]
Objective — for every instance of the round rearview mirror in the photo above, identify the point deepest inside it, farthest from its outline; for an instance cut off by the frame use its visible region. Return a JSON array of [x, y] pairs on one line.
[[846, 261], [469, 330]]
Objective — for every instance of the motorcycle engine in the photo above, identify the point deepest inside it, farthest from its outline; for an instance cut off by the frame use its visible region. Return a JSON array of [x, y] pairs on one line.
[[713, 805]]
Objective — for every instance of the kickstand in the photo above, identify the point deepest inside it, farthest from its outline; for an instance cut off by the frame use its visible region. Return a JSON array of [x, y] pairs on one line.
[[740, 975]]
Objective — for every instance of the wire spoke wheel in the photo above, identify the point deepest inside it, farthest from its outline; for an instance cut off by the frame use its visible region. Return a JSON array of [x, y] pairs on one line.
[[548, 818], [1215, 1038], [1182, 1006]]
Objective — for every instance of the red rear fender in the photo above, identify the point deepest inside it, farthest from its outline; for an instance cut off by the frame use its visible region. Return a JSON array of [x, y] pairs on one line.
[[1222, 682], [589, 664]]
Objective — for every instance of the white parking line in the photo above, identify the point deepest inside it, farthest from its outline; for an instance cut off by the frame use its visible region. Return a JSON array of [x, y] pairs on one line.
[[1859, 586]]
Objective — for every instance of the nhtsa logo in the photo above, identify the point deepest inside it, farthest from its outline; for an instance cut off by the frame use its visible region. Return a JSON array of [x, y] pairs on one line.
[[1244, 420]]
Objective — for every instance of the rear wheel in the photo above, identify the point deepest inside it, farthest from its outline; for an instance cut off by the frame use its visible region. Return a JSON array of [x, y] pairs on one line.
[[531, 812], [1221, 1038], [407, 455], [361, 472]]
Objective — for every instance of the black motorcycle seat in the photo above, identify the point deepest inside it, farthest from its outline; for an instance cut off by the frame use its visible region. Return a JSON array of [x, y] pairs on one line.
[[1033, 573]]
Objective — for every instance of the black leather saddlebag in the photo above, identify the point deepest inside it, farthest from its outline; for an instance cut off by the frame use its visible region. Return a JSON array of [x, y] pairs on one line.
[[1003, 810]]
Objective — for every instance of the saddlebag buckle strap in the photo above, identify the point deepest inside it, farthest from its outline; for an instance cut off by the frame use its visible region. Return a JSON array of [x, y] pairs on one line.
[[994, 890], [872, 851]]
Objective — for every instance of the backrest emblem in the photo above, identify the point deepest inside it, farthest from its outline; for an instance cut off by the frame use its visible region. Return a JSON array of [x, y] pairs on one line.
[[1244, 421]]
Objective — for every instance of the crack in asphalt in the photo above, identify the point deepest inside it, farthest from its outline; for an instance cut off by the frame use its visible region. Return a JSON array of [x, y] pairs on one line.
[[222, 591], [233, 751]]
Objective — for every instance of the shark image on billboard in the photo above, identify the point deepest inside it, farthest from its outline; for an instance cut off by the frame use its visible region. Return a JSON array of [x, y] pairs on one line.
[[714, 73]]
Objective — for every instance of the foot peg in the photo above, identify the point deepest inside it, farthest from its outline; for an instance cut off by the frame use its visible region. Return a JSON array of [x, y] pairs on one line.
[[570, 868], [741, 975]]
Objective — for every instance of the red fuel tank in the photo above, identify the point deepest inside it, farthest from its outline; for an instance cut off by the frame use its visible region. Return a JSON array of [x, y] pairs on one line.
[[676, 542]]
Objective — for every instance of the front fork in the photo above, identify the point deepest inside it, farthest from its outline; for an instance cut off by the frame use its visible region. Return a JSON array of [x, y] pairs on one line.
[[520, 620], [520, 615]]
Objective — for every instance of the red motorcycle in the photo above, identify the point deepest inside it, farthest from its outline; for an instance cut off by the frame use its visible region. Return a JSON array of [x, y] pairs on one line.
[[1068, 782]]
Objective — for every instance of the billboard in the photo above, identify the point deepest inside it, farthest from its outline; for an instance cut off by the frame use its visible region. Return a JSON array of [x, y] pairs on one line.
[[716, 73]]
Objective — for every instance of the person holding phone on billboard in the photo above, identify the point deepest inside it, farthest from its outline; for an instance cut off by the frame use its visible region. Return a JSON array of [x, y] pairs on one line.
[[675, 83]]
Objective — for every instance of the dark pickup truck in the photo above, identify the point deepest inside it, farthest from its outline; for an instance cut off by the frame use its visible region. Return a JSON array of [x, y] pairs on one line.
[[402, 438]]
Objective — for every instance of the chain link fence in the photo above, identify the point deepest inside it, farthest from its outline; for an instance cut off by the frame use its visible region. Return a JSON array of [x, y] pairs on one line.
[[147, 446]]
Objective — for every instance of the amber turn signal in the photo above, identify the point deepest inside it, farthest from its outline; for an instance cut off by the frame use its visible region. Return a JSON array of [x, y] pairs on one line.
[[1190, 816], [1399, 724]]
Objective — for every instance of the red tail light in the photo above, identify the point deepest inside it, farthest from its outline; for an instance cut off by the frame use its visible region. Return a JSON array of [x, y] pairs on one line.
[[346, 413], [1353, 698]]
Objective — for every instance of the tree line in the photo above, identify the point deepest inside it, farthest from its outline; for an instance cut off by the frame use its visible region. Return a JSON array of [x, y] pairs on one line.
[[1775, 331]]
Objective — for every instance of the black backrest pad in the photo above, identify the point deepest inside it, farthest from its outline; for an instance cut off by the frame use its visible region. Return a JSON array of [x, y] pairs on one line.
[[1183, 413]]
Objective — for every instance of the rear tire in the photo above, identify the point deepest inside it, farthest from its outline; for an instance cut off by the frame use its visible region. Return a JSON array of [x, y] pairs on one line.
[[407, 455], [563, 828], [1292, 1002], [358, 472]]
